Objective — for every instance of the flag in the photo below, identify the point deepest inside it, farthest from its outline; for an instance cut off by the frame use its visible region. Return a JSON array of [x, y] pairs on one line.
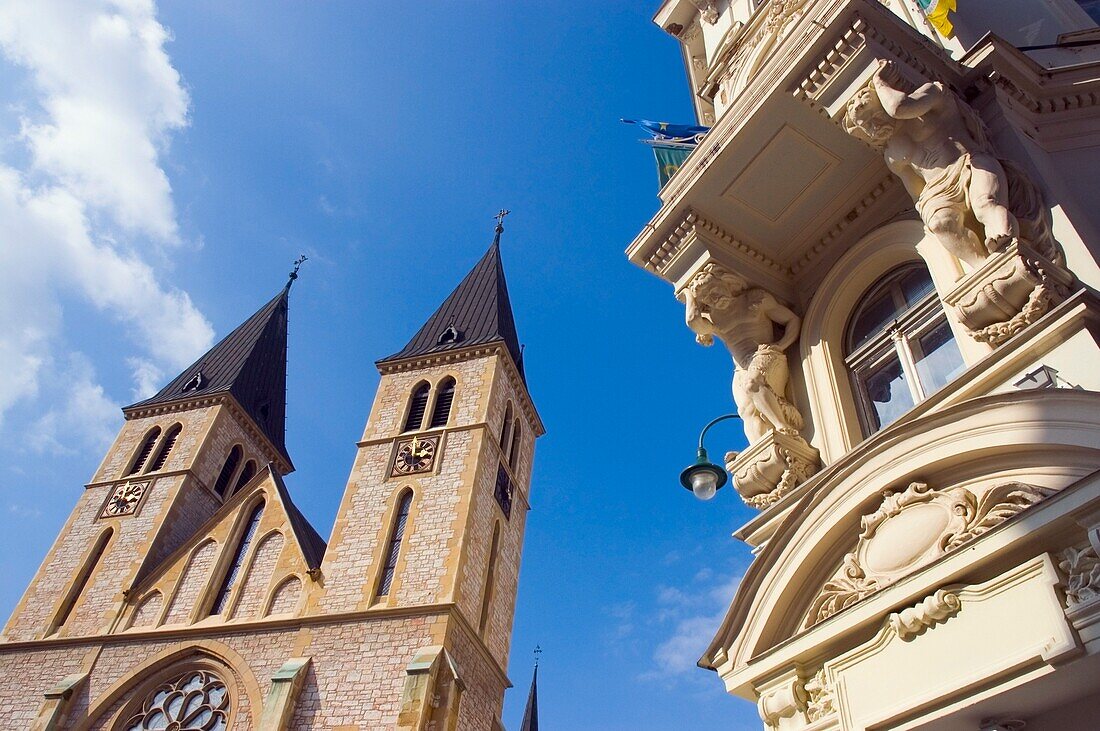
[[936, 11], [669, 160], [668, 131]]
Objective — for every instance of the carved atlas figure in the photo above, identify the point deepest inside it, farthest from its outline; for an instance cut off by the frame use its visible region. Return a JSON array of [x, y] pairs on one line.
[[719, 303], [972, 201]]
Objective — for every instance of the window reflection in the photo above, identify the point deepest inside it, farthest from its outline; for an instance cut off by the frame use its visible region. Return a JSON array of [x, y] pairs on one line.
[[900, 348]]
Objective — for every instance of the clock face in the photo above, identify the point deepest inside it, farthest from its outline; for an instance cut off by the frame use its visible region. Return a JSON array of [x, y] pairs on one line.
[[124, 500], [415, 455]]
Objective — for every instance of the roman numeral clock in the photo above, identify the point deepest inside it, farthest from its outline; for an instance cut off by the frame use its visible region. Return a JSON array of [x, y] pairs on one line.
[[415, 456]]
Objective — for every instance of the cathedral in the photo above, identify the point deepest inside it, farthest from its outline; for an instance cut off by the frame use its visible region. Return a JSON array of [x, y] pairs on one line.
[[186, 591], [889, 216]]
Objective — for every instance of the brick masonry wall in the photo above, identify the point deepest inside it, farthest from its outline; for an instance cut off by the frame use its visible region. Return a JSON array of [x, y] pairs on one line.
[[254, 587], [172, 510], [426, 562], [359, 663], [196, 579], [355, 681]]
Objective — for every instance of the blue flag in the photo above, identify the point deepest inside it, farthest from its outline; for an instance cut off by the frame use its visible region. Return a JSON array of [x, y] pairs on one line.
[[667, 131]]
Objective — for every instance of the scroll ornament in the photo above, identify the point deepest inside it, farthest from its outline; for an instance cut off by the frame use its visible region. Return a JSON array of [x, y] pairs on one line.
[[912, 528]]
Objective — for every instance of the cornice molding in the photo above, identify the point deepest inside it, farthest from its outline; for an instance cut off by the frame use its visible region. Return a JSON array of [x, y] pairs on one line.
[[217, 399], [461, 355], [659, 259], [198, 632]]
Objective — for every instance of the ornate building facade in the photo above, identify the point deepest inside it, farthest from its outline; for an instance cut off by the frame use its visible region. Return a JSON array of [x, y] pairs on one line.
[[187, 591], [893, 225]]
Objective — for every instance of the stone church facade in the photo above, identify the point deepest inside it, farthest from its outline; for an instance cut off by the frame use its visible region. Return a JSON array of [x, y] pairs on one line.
[[893, 225], [186, 590]]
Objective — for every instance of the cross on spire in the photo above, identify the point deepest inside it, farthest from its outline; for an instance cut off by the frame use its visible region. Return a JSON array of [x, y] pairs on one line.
[[538, 651], [500, 218], [294, 272]]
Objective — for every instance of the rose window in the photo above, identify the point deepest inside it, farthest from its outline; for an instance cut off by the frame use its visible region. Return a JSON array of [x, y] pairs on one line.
[[196, 701]]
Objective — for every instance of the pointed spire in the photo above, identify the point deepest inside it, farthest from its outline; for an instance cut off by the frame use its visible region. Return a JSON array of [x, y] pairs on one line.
[[531, 713], [477, 312], [249, 364]]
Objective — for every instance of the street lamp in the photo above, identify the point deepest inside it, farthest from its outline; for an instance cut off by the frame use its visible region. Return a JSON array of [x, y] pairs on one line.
[[704, 477]]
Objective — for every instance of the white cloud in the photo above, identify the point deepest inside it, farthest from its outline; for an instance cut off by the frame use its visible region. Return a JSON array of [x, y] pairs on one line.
[[85, 418], [86, 210], [110, 96], [692, 615], [147, 378]]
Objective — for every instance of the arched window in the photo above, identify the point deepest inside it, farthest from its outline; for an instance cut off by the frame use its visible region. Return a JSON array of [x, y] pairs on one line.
[[228, 469], [80, 582], [165, 449], [444, 397], [198, 700], [506, 428], [234, 569], [490, 580], [899, 346], [247, 474], [393, 548], [418, 404], [143, 454], [513, 451]]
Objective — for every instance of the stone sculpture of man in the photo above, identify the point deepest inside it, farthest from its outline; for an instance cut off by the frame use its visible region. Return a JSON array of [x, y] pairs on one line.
[[719, 303], [938, 146]]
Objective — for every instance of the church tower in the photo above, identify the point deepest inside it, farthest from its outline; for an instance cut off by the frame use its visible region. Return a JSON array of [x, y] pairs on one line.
[[186, 570], [430, 530], [179, 455]]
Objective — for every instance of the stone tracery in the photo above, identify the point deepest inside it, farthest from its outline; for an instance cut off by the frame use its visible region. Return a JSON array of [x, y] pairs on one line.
[[195, 701]]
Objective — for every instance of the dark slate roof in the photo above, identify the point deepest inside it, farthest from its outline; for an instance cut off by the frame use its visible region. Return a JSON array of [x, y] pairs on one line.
[[312, 544], [249, 364], [531, 713], [479, 311]]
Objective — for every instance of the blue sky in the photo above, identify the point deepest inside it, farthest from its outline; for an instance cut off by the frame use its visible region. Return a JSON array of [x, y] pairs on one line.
[[161, 166]]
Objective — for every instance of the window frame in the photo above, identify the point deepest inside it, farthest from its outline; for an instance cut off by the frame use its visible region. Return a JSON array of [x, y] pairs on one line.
[[406, 427], [899, 339]]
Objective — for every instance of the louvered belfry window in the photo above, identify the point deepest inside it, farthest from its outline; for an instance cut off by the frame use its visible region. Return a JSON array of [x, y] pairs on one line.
[[443, 400], [513, 452], [247, 474], [228, 469], [166, 445], [418, 404], [145, 451], [389, 568], [238, 559]]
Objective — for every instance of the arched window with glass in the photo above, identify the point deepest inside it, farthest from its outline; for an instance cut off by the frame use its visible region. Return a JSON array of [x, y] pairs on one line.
[[393, 546], [233, 571], [899, 347]]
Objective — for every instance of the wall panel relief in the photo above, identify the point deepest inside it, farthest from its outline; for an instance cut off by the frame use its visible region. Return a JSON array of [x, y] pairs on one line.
[[910, 529], [982, 208]]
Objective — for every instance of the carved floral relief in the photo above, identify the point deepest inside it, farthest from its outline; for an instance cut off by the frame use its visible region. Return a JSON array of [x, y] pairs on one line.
[[912, 528], [1082, 569]]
